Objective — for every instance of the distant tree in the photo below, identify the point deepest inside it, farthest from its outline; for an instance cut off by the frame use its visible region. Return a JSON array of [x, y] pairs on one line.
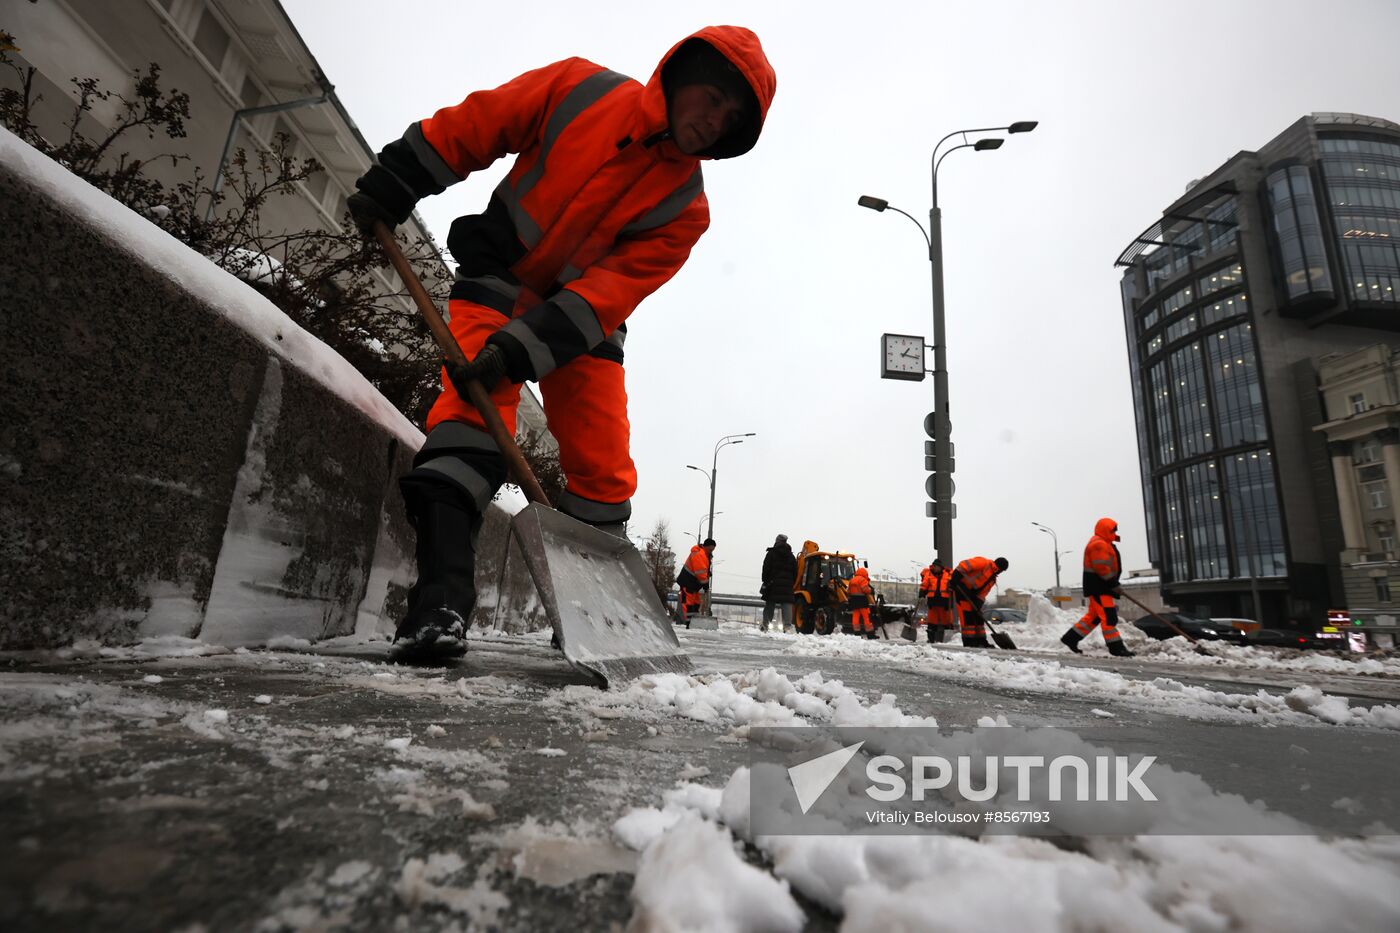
[[543, 459], [660, 559], [324, 280]]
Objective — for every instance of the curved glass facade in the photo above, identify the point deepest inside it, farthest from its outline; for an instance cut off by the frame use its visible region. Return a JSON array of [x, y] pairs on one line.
[[1363, 189], [1302, 256]]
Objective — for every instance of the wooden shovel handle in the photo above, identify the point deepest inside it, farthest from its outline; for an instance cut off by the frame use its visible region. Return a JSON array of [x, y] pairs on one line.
[[519, 469], [1154, 615]]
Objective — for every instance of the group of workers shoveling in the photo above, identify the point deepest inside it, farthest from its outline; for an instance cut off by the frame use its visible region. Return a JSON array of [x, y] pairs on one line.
[[955, 596]]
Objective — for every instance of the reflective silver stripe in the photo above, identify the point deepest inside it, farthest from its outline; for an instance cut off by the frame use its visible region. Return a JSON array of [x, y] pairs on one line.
[[670, 207], [541, 357], [456, 434], [525, 227], [580, 313], [586, 93], [568, 275], [616, 338], [428, 157], [594, 512], [469, 480], [492, 283]]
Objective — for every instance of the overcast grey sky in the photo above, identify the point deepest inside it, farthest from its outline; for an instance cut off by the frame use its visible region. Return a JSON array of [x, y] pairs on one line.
[[775, 321]]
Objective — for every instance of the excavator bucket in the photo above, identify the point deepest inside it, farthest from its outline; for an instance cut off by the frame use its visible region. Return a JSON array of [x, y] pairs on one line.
[[596, 593]]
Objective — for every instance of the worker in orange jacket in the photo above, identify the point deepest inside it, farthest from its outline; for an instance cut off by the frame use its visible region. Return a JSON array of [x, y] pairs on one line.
[[1103, 566], [933, 587], [970, 583], [601, 207], [859, 597], [695, 577]]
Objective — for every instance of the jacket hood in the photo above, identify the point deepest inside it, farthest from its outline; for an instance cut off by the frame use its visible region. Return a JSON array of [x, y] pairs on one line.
[[1107, 529], [862, 572], [741, 47]]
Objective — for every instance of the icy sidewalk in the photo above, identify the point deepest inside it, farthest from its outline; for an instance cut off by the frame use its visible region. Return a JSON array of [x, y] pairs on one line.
[[179, 786]]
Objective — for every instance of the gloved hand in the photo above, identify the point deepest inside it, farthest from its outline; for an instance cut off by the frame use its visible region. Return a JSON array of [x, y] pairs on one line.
[[488, 368], [365, 210]]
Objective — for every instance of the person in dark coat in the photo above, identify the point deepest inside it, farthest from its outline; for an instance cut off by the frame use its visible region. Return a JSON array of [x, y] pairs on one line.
[[779, 577]]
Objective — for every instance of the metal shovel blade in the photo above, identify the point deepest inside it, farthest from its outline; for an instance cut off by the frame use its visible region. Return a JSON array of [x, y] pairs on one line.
[[598, 596]]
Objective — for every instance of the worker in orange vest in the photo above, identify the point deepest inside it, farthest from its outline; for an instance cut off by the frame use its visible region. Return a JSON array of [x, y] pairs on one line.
[[971, 581], [859, 596], [601, 207], [933, 587], [695, 577], [1103, 565]]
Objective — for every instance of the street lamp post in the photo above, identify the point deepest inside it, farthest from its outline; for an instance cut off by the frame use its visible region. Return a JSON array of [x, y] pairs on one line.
[[1056, 542], [942, 442], [714, 472]]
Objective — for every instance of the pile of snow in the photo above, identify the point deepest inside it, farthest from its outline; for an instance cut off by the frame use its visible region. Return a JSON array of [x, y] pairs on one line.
[[957, 882], [1020, 671]]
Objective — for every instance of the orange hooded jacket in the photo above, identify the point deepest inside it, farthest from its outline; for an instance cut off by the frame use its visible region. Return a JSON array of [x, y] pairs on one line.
[[1102, 563], [599, 210]]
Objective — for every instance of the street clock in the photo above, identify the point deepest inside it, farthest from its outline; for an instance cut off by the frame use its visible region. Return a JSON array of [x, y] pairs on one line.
[[902, 357]]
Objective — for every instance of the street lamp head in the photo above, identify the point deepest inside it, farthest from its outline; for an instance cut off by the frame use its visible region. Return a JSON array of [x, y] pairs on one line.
[[751, 434], [875, 204], [990, 142], [695, 468], [1023, 126]]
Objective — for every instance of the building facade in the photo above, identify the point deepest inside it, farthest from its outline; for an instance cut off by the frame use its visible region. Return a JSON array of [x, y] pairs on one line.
[[1278, 261]]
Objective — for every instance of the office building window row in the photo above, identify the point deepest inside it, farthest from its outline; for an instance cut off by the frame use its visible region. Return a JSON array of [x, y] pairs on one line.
[[1298, 231], [1221, 279], [1222, 526], [1222, 309]]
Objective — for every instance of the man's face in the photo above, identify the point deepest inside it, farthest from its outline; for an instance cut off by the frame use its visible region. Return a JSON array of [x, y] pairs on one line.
[[701, 114]]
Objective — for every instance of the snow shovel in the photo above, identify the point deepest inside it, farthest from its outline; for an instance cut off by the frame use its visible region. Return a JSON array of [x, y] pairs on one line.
[[593, 586], [1003, 640], [1200, 649]]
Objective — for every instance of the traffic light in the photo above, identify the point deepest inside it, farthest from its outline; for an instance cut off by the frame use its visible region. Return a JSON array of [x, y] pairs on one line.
[[939, 462]]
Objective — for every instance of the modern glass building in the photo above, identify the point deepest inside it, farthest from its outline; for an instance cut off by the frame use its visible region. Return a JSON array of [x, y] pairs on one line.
[[1277, 259]]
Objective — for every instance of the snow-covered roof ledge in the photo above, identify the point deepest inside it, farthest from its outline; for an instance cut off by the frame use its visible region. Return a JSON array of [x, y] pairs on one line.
[[178, 457], [243, 306]]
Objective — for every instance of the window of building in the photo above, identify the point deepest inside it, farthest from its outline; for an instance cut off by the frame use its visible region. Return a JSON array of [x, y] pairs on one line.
[[1376, 495], [1383, 589], [211, 39], [1154, 344], [1188, 383], [1175, 516], [1210, 558], [1385, 535], [1255, 520], [1162, 414], [1220, 279], [1298, 232], [1363, 187], [1234, 377], [1368, 451], [1224, 308], [1357, 403], [1221, 225], [1181, 328]]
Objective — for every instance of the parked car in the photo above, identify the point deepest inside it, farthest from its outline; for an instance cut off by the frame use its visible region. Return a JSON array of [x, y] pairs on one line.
[[1242, 628], [1281, 638], [1005, 616], [1197, 628]]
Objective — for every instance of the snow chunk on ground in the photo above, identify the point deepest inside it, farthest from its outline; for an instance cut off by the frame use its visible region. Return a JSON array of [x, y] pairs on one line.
[[683, 873]]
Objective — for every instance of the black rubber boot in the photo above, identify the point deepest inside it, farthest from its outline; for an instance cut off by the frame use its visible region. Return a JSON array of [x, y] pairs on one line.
[[975, 641], [1118, 649], [1071, 640], [441, 602]]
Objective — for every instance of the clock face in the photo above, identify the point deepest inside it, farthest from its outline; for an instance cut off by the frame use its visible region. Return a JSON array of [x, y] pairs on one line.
[[903, 357]]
